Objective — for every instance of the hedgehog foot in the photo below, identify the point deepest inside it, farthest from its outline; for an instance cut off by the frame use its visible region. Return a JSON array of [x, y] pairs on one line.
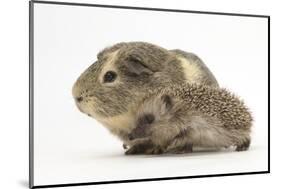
[[188, 148], [143, 148], [125, 146], [244, 146]]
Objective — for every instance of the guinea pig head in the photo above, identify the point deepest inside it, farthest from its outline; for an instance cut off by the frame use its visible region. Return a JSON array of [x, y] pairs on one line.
[[116, 81]]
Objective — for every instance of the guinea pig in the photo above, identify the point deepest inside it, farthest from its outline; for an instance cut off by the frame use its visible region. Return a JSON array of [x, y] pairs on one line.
[[177, 118], [110, 89]]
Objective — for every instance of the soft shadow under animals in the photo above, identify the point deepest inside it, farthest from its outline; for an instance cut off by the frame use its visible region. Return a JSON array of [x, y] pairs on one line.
[[197, 153]]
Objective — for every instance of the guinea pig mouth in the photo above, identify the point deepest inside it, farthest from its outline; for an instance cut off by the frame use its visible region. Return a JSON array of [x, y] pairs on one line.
[[79, 106]]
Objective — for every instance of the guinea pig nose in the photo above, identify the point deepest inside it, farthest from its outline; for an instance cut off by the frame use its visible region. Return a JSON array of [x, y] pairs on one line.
[[79, 99]]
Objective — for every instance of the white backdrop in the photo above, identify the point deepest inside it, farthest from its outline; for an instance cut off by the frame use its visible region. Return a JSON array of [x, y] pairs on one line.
[[71, 147], [14, 93]]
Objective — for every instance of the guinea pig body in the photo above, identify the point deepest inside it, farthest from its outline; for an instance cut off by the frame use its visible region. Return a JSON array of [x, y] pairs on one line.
[[178, 118], [111, 88]]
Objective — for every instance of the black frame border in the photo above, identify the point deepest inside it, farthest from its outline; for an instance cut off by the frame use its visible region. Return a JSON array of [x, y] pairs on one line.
[[31, 92]]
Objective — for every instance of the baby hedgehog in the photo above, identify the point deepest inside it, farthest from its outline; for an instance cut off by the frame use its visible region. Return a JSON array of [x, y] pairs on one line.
[[178, 118]]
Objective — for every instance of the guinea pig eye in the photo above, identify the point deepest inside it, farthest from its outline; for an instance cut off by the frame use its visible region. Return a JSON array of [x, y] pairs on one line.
[[109, 76]]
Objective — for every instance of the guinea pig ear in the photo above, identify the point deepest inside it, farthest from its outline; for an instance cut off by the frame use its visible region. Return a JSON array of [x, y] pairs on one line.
[[136, 65]]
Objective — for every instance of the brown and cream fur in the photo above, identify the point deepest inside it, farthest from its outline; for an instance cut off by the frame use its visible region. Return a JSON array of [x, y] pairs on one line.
[[140, 67]]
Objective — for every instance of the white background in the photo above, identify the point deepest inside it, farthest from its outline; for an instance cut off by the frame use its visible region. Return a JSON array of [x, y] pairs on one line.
[[14, 95], [70, 147]]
